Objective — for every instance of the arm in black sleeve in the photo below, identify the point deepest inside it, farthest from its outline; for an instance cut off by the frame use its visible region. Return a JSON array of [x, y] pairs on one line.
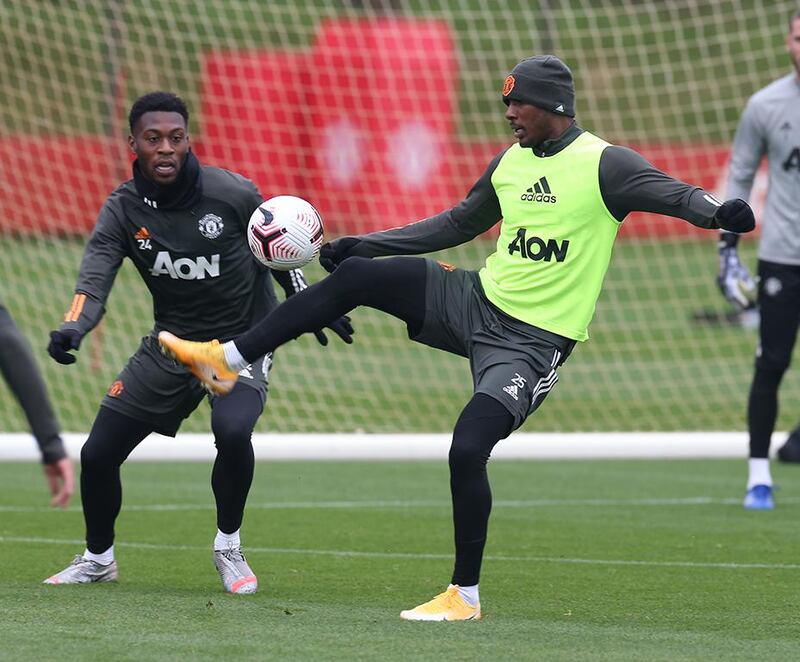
[[629, 182], [475, 214], [101, 261]]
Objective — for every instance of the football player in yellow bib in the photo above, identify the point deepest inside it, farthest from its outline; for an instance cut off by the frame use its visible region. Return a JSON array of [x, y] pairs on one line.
[[562, 194]]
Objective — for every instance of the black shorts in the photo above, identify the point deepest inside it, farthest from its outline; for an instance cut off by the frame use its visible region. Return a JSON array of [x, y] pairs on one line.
[[155, 389], [511, 361], [779, 305]]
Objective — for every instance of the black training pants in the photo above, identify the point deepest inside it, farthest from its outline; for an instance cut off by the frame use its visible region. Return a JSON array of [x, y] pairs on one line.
[[779, 304], [114, 436]]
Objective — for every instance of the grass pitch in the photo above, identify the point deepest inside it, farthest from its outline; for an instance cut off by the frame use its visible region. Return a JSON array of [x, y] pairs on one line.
[[602, 560]]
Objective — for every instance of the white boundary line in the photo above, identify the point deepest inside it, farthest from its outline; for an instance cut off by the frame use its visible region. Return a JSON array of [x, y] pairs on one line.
[[412, 555], [435, 504], [590, 445]]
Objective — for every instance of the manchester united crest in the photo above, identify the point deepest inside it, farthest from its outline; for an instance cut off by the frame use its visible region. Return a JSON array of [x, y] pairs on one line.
[[210, 226]]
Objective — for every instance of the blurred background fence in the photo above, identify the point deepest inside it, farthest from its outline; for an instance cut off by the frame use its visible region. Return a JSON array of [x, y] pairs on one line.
[[381, 113]]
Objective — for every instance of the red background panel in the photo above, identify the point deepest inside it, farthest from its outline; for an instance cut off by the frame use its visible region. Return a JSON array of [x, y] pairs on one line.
[[386, 94], [57, 184], [256, 114]]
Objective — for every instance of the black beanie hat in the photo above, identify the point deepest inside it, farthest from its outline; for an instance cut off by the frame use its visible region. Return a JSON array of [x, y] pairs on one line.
[[543, 81]]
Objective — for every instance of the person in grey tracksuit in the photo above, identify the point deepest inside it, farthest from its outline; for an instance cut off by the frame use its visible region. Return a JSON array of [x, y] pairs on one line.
[[769, 126], [22, 375]]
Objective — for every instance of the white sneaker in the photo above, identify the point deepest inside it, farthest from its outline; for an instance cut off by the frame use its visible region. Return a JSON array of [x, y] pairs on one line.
[[236, 575], [84, 571]]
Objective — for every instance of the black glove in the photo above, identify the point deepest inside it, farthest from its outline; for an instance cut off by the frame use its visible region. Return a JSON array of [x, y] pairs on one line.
[[341, 327], [332, 253], [735, 216], [61, 342]]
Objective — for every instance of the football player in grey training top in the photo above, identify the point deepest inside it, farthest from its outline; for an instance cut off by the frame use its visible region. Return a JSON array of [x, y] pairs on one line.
[[770, 125], [183, 225], [20, 371]]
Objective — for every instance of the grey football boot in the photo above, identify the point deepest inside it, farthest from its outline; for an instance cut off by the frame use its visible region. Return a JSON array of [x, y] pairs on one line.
[[84, 571], [236, 575]]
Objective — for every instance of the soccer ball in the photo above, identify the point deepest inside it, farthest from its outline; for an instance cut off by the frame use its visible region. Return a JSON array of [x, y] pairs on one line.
[[285, 232]]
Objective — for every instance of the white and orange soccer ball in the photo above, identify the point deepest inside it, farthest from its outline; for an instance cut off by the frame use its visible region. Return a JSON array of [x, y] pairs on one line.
[[285, 232]]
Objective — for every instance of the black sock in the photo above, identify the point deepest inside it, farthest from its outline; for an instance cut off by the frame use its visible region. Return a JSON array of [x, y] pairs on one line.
[[111, 440], [483, 422], [762, 410], [232, 421]]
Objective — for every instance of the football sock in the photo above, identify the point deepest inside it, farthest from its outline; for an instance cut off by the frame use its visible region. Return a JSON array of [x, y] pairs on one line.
[[111, 440], [759, 473], [482, 423], [232, 421], [762, 410], [103, 559], [227, 540], [469, 594], [233, 358]]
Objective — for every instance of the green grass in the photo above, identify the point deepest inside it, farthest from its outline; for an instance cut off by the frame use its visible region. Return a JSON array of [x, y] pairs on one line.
[[595, 560]]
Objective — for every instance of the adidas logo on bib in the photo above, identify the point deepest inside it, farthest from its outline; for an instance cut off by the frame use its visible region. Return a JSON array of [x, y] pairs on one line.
[[539, 192]]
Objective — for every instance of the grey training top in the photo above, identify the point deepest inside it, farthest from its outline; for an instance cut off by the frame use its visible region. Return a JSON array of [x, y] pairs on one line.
[[628, 182], [770, 125], [196, 263]]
